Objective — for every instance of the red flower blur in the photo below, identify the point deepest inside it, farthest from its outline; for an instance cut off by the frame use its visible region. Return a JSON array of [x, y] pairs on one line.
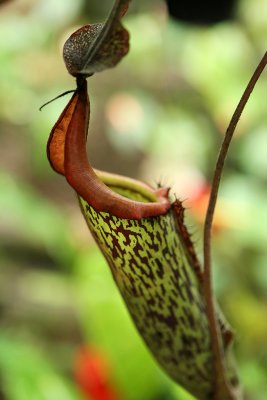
[[224, 212], [93, 376]]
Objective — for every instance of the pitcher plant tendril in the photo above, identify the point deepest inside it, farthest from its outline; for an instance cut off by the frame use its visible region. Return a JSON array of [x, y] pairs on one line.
[[211, 208]]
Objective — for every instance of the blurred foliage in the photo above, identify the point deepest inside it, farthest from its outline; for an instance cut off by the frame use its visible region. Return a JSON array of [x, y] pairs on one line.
[[160, 116]]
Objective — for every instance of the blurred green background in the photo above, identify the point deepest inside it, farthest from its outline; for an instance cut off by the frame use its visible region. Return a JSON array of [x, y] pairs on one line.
[[160, 116]]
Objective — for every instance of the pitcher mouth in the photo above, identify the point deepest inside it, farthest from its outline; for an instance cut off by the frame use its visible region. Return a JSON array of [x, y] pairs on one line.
[[133, 189], [122, 196]]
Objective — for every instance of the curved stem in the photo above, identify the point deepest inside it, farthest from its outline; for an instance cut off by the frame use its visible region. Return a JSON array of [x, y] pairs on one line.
[[210, 213]]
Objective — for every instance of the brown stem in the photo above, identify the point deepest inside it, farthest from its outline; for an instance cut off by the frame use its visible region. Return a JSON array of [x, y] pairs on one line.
[[216, 348]]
